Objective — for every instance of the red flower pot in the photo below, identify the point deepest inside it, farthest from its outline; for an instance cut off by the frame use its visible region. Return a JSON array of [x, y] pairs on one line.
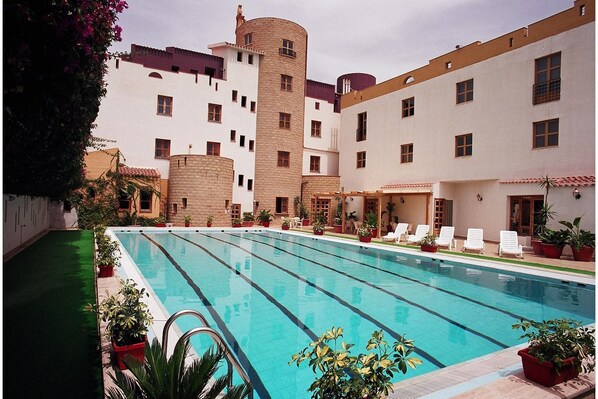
[[187, 224], [266, 224], [374, 232], [305, 222], [429, 248], [318, 233], [247, 223], [365, 239], [552, 251], [285, 227], [338, 228], [209, 224], [537, 247], [237, 225], [583, 254], [135, 350], [106, 271], [545, 373], [160, 225]]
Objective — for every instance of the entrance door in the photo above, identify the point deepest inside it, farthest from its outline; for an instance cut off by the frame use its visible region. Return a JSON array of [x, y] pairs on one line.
[[322, 205], [523, 209]]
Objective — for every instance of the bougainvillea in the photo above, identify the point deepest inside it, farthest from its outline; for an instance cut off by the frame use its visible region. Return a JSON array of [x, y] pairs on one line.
[[54, 53]]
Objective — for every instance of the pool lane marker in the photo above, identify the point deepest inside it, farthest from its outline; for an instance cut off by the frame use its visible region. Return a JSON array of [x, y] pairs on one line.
[[254, 377], [395, 295], [392, 333], [504, 311]]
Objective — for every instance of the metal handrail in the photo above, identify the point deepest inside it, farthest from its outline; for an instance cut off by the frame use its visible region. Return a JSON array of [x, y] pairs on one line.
[[216, 337]]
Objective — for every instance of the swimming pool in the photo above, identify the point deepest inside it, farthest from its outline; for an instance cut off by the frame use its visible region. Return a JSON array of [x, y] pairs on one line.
[[271, 293]]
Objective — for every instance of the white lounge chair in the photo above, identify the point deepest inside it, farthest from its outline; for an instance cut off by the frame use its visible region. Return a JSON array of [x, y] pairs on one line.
[[446, 238], [395, 236], [420, 232], [474, 241], [509, 244]]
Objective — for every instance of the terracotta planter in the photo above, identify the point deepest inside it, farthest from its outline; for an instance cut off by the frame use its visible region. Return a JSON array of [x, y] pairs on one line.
[[374, 232], [429, 248], [187, 224], [365, 239], [135, 350], [106, 271], [583, 254], [266, 224], [319, 233], [237, 225], [305, 222], [285, 227], [545, 373], [537, 247], [338, 228], [247, 223], [160, 224], [552, 251], [209, 224]]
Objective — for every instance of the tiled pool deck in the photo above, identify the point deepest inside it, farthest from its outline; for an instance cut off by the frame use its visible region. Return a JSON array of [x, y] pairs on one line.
[[498, 375]]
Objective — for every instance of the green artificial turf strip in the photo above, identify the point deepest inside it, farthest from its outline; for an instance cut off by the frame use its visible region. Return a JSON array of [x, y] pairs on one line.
[[50, 342]]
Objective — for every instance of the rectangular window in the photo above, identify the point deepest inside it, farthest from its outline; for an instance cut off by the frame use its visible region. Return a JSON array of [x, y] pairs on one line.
[[317, 105], [233, 136], [286, 83], [465, 91], [248, 38], [314, 164], [362, 124], [409, 107], [164, 105], [145, 200], [235, 211], [284, 120], [283, 159], [407, 153], [316, 129], [464, 145], [124, 200], [214, 112], [547, 85], [162, 149], [282, 205], [184, 203], [249, 184], [361, 159], [242, 141], [213, 148], [240, 56], [546, 133], [252, 106], [287, 48], [235, 96], [250, 59], [251, 145], [240, 179], [244, 101]]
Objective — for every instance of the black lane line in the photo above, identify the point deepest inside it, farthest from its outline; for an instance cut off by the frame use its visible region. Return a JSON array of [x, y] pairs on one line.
[[399, 297], [254, 377], [392, 333], [452, 293]]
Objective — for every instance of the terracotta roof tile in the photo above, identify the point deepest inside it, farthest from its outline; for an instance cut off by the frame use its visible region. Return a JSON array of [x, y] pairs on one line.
[[142, 172], [566, 181], [405, 185]]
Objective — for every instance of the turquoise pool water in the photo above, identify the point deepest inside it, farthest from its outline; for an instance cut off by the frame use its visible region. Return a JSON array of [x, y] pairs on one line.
[[270, 294]]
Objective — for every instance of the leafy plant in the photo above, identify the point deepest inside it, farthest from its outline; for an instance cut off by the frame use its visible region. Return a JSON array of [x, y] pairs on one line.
[[429, 239], [351, 216], [320, 218], [371, 219], [210, 219], [346, 376], [127, 316], [265, 216], [390, 207], [248, 217], [285, 222], [364, 231], [559, 339], [542, 217], [188, 218], [577, 237], [160, 219], [108, 253], [555, 237], [318, 227], [236, 221], [162, 377]]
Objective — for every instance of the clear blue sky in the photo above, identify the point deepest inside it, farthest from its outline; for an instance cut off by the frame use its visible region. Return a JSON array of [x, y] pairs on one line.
[[382, 37]]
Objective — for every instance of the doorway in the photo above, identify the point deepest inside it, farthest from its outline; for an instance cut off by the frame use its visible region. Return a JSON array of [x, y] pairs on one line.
[[522, 211]]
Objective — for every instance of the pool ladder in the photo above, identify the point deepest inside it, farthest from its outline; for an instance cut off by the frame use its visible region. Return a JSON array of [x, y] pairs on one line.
[[216, 337]]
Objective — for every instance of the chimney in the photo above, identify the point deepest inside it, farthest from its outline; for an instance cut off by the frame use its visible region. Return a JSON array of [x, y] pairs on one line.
[[240, 17]]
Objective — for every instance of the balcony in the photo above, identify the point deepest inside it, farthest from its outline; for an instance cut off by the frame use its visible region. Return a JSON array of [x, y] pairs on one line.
[[287, 52], [546, 91]]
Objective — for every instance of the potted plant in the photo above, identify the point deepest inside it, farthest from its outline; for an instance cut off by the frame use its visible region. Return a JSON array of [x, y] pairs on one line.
[[209, 221], [127, 318], [286, 224], [582, 242], [265, 217], [558, 351], [236, 222], [248, 219], [160, 221], [107, 256], [318, 228], [390, 207], [542, 217], [367, 375], [553, 242], [188, 220], [428, 243], [301, 211], [338, 222], [364, 234], [371, 219]]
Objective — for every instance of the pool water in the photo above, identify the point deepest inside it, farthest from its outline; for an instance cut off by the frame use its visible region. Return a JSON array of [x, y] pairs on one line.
[[270, 294]]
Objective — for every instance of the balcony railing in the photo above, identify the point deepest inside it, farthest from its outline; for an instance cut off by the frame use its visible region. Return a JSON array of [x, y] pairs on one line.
[[287, 51], [547, 91]]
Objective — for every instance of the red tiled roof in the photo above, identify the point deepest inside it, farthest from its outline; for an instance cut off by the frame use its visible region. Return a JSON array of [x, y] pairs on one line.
[[567, 181], [139, 172], [405, 185]]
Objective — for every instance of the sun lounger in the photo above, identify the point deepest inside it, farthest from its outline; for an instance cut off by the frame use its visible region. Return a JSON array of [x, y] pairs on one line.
[[420, 232], [509, 244], [474, 241], [446, 238], [395, 236]]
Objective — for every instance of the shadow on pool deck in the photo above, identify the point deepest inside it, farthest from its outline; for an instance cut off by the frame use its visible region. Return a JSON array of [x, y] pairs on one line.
[[50, 343]]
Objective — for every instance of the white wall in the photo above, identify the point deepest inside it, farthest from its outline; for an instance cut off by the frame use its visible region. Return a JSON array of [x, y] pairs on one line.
[[24, 218], [325, 146]]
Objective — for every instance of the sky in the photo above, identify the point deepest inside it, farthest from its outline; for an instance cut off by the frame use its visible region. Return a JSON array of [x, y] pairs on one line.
[[384, 38]]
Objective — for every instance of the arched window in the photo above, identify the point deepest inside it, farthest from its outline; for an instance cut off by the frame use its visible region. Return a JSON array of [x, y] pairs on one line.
[[155, 75], [409, 79]]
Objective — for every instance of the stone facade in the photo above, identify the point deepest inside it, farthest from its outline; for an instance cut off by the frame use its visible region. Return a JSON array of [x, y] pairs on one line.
[[200, 186], [271, 180], [320, 184]]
